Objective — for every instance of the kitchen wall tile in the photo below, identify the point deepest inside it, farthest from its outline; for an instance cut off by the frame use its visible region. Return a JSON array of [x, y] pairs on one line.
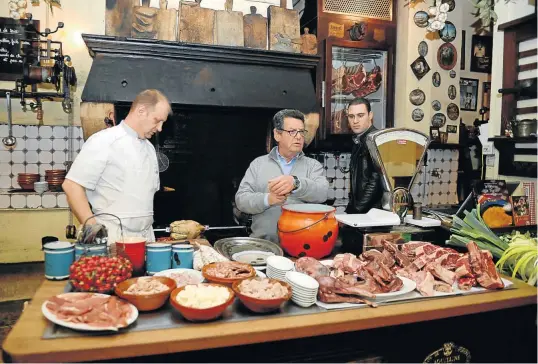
[[18, 168], [58, 158], [5, 181], [45, 144], [62, 201], [5, 156], [45, 131], [19, 131], [45, 157], [330, 173], [32, 144], [5, 169], [3, 130], [339, 193], [32, 168], [32, 131], [59, 132], [59, 144], [330, 194], [20, 144], [5, 201], [33, 201], [32, 157], [17, 156], [14, 182], [43, 167], [48, 200], [18, 201]]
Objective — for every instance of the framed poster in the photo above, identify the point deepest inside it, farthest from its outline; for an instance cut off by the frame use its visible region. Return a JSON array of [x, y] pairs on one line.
[[356, 72], [468, 94], [486, 97], [481, 53]]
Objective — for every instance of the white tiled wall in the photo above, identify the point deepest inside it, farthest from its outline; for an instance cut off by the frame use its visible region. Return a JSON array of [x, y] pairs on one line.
[[38, 148], [437, 183], [336, 167]]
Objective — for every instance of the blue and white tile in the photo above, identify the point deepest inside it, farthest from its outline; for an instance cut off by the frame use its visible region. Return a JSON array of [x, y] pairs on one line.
[[18, 201]]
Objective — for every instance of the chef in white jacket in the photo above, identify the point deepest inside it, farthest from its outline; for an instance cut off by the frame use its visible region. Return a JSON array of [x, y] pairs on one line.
[[116, 171]]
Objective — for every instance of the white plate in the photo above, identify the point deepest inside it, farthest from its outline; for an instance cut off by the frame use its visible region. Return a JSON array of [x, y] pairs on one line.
[[374, 217], [191, 272], [79, 326], [280, 263], [252, 257], [260, 274], [408, 286], [302, 280]]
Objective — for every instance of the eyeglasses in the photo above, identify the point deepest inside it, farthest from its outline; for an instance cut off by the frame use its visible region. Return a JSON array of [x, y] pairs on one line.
[[293, 133]]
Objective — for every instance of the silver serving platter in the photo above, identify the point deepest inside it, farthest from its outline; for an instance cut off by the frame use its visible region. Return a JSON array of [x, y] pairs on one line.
[[230, 246]]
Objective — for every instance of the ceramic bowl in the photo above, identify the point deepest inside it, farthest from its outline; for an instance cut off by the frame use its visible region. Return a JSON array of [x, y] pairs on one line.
[[196, 275], [258, 304], [148, 302], [226, 281], [201, 314]]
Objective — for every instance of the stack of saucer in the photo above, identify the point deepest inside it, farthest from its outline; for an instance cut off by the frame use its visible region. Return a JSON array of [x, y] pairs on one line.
[[304, 288], [278, 266]]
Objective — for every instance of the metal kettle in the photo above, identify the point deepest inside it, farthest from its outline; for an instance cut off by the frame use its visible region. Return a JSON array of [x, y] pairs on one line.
[[523, 128]]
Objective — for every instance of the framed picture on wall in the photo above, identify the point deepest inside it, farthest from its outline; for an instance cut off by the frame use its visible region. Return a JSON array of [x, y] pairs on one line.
[[356, 72], [468, 94], [481, 53]]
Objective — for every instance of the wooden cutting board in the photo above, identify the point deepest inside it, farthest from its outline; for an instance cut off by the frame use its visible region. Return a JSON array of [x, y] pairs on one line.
[[153, 23], [255, 30], [229, 26], [196, 24], [118, 17], [92, 117], [284, 29]]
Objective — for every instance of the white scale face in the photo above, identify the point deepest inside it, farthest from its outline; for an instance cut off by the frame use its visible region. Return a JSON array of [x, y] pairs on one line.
[[401, 135]]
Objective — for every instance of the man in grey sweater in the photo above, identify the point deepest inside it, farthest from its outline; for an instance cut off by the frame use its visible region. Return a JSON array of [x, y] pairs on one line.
[[284, 176]]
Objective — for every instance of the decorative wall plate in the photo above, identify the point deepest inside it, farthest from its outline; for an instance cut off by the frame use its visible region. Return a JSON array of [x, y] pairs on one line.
[[417, 114], [451, 4], [421, 19], [436, 105], [417, 97], [436, 79], [451, 92], [447, 56], [452, 74], [452, 111], [423, 48], [448, 33], [420, 67], [358, 31], [438, 120]]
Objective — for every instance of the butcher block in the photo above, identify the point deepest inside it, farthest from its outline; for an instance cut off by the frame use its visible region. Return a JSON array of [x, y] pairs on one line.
[[92, 117], [153, 23], [196, 24], [255, 30], [284, 29], [229, 27]]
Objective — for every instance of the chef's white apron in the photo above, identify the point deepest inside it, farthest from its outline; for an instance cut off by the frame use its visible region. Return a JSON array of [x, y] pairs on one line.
[[134, 204]]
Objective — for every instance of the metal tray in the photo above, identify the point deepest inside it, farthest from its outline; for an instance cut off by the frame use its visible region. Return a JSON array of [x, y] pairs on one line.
[[230, 246]]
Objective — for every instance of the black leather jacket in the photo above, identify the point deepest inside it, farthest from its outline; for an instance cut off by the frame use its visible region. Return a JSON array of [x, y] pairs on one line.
[[365, 185]]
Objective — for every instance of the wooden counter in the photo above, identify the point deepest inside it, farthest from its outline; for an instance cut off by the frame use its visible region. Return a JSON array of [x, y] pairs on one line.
[[24, 342]]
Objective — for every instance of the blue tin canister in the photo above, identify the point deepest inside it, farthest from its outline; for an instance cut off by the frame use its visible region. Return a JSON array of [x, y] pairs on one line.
[[59, 256], [182, 256], [90, 250], [158, 257]]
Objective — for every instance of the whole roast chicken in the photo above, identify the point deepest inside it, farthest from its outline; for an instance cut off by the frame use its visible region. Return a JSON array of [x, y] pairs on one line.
[[186, 229]]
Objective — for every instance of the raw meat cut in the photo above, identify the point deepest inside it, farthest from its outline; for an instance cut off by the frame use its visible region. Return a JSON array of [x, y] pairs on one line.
[[311, 266], [331, 290], [442, 286], [442, 273], [466, 283], [424, 281], [483, 267], [400, 258]]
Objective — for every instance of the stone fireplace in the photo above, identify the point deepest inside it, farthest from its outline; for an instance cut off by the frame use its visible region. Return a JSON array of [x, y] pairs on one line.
[[223, 100]]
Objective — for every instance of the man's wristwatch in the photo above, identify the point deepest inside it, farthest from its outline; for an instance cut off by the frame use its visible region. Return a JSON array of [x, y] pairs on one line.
[[296, 183]]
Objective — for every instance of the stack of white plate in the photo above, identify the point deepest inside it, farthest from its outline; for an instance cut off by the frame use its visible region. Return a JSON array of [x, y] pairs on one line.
[[278, 266], [304, 288]]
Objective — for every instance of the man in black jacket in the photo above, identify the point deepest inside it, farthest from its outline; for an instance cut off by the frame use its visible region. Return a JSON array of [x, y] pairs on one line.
[[366, 189], [365, 184]]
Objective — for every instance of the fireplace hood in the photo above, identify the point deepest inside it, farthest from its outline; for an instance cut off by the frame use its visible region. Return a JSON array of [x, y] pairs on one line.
[[199, 75]]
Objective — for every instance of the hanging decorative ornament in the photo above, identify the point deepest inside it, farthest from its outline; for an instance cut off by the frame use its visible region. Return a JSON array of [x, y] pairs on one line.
[[17, 9], [358, 31]]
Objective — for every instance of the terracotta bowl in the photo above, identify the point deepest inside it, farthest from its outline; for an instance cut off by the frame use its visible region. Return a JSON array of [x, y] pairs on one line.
[[201, 314], [226, 281], [262, 305], [145, 302]]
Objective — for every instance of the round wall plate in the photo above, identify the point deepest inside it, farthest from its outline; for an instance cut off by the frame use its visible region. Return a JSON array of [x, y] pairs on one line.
[[451, 92], [436, 79], [452, 74], [438, 120], [436, 105], [451, 4], [417, 114], [421, 19], [447, 56], [452, 111], [423, 48], [417, 97], [448, 33]]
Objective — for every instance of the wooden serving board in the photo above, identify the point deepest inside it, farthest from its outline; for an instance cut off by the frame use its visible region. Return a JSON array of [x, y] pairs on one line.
[[153, 23], [196, 24], [167, 20], [229, 28], [92, 117], [255, 30], [284, 29], [118, 17]]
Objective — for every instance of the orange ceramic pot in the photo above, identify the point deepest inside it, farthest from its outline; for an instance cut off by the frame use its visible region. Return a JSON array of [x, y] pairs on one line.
[[307, 230]]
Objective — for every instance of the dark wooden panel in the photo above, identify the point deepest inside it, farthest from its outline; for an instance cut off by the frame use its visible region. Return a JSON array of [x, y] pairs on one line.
[[517, 22], [509, 76], [527, 67], [527, 110], [529, 53]]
